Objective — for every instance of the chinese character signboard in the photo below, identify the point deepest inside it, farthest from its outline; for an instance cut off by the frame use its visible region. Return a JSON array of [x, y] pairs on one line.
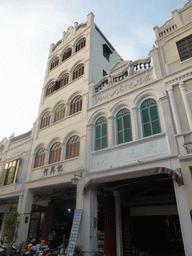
[[74, 231]]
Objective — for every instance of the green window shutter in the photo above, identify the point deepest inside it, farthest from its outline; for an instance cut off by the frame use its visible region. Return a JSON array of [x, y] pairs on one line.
[[3, 177], [101, 133], [124, 132], [11, 175]]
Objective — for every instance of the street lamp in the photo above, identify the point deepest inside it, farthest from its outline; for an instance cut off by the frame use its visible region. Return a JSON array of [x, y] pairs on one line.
[[75, 179]]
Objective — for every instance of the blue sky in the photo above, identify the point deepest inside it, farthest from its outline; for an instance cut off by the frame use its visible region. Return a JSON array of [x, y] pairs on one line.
[[27, 29]]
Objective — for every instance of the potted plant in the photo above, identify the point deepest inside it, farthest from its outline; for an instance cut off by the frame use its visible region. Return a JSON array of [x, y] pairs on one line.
[[10, 226], [78, 251]]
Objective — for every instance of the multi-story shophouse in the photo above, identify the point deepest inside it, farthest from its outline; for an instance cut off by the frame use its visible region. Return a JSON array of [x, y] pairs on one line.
[[139, 142], [14, 159], [58, 151], [122, 129]]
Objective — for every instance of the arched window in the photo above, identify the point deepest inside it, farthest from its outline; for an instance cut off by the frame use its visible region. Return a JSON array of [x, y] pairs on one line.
[[78, 71], [67, 54], [80, 44], [45, 119], [55, 153], [59, 112], [73, 147], [50, 88], [124, 132], [64, 80], [76, 105], [150, 118], [39, 158], [54, 63], [101, 140]]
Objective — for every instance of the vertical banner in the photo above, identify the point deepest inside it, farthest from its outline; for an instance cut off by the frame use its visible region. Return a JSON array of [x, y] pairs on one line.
[[74, 231]]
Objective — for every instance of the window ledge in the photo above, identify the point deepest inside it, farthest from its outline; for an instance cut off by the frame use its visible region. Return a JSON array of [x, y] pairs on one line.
[[187, 60]]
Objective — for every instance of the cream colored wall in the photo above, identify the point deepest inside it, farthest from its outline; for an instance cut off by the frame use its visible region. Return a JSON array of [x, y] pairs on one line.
[[187, 177], [181, 109]]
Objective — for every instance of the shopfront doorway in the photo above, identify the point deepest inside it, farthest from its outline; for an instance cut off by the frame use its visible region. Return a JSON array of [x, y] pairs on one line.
[[149, 219]]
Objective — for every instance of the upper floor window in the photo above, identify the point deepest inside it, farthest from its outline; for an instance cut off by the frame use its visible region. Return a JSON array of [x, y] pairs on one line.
[[124, 132], [9, 174], [73, 147], [64, 80], [150, 118], [50, 88], [67, 54], [106, 51], [80, 44], [45, 121], [101, 140], [39, 158], [55, 153], [185, 48], [59, 112], [54, 63], [76, 105], [78, 71]]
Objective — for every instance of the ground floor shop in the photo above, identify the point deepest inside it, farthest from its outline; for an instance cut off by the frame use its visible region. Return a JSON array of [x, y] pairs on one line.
[[139, 212]]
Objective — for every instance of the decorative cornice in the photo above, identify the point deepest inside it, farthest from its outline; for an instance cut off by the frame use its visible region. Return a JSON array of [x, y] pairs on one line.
[[179, 79]]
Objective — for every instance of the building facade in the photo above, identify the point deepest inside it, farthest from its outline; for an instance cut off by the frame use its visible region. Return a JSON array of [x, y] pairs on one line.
[[122, 129]]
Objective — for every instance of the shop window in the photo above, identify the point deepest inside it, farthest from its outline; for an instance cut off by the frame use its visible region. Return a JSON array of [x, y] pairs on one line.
[[106, 51], [81, 44], [55, 153], [101, 140], [76, 105], [150, 118], [184, 47], [124, 133], [78, 71], [67, 54], [39, 158], [54, 63], [59, 112], [9, 173], [45, 119], [73, 147]]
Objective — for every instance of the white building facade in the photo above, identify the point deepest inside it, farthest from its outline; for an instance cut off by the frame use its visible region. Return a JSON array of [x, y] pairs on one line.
[[123, 128]]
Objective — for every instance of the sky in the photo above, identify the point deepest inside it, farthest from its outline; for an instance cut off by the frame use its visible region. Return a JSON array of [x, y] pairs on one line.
[[29, 27]]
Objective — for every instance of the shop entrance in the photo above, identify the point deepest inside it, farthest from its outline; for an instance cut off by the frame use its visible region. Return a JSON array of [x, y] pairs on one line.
[[149, 216]]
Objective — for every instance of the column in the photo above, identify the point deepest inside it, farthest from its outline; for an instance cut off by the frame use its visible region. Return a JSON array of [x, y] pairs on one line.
[[174, 109], [111, 131], [46, 156], [63, 151], [118, 223], [90, 145], [182, 87], [25, 213], [168, 124], [134, 123], [184, 216], [89, 221]]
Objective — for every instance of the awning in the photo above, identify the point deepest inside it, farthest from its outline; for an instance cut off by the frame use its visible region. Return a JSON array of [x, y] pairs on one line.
[[175, 174]]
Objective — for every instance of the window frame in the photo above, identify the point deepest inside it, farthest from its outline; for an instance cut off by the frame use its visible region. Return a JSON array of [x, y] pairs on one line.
[[76, 104], [67, 53], [39, 158], [187, 47], [55, 153], [73, 147], [150, 122], [9, 176], [78, 71], [80, 44], [54, 63], [124, 129], [45, 120], [101, 137], [59, 113]]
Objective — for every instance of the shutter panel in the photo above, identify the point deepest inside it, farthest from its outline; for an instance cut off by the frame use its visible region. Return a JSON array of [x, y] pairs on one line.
[[80, 104], [11, 174], [78, 145], [3, 177]]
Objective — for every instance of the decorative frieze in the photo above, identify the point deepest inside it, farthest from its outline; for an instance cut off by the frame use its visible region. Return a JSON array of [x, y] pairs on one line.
[[120, 89], [178, 79]]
